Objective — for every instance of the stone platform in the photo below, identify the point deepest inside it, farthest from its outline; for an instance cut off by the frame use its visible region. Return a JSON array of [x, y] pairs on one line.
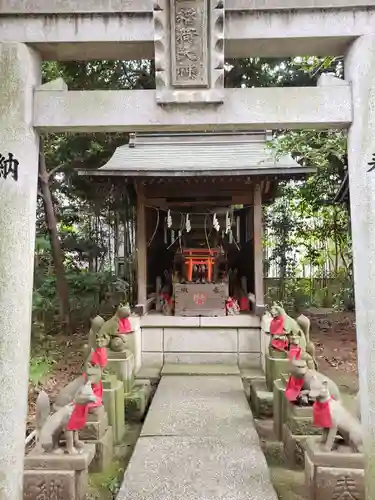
[[198, 442], [333, 475], [55, 476], [261, 399]]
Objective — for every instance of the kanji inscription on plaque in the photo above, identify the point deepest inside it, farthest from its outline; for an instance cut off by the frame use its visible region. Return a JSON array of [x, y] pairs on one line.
[[345, 489], [189, 43]]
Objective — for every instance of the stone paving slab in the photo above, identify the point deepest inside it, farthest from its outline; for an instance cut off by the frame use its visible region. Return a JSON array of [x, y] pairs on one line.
[[190, 468], [198, 443], [200, 406]]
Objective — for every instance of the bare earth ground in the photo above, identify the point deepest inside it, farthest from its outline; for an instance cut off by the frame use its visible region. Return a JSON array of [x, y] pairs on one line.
[[336, 347]]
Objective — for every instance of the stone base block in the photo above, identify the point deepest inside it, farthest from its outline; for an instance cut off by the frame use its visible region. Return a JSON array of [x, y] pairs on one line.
[[150, 373], [122, 365], [136, 403], [294, 447], [279, 408], [248, 376], [275, 367], [57, 476], [296, 411], [338, 474], [95, 427], [261, 400], [49, 484], [303, 427], [103, 452], [113, 400]]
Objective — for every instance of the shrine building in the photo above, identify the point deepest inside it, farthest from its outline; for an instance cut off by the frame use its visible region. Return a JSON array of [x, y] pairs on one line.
[[199, 229]]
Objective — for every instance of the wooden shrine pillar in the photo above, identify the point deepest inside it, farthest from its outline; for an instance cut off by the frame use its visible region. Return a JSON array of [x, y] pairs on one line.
[[258, 250], [141, 249]]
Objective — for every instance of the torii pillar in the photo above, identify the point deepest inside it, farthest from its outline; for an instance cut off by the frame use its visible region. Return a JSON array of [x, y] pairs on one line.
[[360, 72], [19, 148]]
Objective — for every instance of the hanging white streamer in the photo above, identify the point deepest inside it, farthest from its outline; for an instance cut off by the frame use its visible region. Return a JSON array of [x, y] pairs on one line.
[[169, 219]]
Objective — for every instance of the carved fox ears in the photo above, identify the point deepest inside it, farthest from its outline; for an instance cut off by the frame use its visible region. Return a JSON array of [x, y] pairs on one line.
[[277, 304]]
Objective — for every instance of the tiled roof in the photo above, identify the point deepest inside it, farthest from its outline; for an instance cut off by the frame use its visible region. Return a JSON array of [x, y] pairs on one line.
[[198, 154]]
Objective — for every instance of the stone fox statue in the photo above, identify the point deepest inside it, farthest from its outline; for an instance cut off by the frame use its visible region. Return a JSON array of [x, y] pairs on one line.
[[311, 381], [115, 329], [334, 418], [292, 327], [304, 323], [66, 420], [67, 394]]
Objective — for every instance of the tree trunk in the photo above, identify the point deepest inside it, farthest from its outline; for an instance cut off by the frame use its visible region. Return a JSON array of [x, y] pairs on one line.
[[57, 254]]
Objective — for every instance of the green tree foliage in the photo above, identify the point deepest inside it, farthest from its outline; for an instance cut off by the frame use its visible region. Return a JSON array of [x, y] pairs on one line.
[[87, 210], [305, 216]]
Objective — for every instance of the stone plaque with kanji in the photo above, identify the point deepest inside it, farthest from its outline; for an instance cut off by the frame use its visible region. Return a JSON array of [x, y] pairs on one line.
[[189, 47]]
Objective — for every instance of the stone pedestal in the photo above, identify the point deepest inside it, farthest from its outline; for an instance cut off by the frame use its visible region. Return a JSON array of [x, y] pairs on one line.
[[19, 152], [261, 399], [297, 428], [136, 346], [136, 403], [248, 377], [279, 408], [276, 365], [122, 365], [333, 475], [57, 476], [113, 400], [98, 433]]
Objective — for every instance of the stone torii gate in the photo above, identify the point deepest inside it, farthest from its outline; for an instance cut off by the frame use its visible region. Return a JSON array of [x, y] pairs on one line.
[[189, 40]]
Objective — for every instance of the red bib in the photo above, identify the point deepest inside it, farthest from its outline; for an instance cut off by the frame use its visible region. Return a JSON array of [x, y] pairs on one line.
[[294, 352], [97, 389], [277, 326], [244, 304], [279, 344], [78, 419], [293, 388], [322, 415], [167, 298], [124, 326], [99, 357]]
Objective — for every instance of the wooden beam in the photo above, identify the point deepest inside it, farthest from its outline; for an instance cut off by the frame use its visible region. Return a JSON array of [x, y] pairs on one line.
[[244, 109], [181, 191], [258, 251], [141, 248]]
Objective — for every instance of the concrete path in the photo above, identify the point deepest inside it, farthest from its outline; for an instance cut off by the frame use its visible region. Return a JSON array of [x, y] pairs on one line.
[[198, 443]]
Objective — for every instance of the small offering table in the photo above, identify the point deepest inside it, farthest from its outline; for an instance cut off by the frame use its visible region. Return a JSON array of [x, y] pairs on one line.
[[200, 299]]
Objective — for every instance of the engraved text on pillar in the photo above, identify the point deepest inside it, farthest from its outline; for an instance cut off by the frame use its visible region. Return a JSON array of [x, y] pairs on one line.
[[189, 43]]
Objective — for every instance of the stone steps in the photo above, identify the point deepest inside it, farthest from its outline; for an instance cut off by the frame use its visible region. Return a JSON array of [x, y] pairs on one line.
[[192, 369]]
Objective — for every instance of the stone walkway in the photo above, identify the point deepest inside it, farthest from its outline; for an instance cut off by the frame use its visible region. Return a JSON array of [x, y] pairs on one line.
[[198, 443]]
